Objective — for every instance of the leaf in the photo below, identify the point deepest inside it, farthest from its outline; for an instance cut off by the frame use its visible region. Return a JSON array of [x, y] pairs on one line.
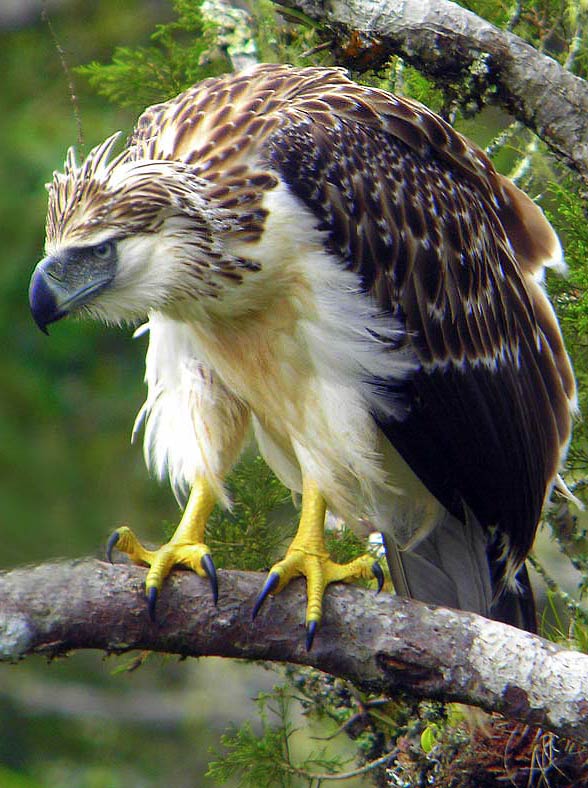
[[429, 738]]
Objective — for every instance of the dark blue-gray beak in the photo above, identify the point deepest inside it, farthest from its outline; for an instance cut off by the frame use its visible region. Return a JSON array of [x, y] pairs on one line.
[[65, 282], [45, 298]]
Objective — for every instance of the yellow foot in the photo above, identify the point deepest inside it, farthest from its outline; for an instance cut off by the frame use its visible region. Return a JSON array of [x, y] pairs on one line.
[[195, 556], [319, 571]]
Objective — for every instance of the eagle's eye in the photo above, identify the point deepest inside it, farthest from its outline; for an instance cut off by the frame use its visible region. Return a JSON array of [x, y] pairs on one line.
[[104, 251]]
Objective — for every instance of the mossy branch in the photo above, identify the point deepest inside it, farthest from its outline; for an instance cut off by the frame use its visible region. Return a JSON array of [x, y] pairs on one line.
[[382, 644], [466, 56]]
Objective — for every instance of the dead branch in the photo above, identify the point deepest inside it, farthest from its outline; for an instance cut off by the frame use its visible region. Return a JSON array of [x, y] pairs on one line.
[[382, 644], [459, 50]]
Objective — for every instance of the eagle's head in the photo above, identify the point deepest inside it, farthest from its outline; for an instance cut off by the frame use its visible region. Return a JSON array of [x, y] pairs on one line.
[[127, 235]]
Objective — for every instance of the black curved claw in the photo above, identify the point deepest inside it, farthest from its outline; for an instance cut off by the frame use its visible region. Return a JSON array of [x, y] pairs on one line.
[[379, 575], [270, 585], [152, 594], [311, 628], [112, 540], [208, 566]]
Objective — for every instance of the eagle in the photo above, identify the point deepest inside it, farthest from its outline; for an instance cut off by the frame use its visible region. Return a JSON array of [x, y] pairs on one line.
[[336, 269]]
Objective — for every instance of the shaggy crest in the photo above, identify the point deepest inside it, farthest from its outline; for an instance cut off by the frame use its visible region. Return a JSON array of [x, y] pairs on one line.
[[118, 196]]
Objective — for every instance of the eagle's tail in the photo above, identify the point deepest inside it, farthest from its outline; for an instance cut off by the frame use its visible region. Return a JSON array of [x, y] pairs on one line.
[[517, 606], [451, 567]]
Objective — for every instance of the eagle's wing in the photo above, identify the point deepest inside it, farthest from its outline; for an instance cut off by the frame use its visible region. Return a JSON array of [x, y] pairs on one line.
[[456, 252]]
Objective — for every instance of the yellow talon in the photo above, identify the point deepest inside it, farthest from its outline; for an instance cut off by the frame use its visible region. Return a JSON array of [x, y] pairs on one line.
[[308, 556], [186, 547], [319, 571]]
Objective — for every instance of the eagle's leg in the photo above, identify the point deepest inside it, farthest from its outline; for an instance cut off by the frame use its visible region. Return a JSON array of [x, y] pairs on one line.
[[308, 555], [186, 546]]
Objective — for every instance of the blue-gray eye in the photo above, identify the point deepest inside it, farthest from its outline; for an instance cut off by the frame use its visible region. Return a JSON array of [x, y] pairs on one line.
[[104, 251]]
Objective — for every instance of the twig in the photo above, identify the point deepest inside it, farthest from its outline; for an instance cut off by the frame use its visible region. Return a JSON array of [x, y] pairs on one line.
[[365, 769], [67, 71]]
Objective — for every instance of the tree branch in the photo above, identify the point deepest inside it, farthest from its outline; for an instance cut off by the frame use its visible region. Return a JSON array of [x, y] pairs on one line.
[[382, 644], [451, 44]]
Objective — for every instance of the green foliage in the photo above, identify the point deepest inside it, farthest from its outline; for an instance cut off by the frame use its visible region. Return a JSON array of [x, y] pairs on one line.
[[343, 544], [406, 80], [286, 35], [265, 759], [186, 50], [183, 52], [579, 636], [261, 521], [570, 295], [557, 27], [499, 14], [254, 760]]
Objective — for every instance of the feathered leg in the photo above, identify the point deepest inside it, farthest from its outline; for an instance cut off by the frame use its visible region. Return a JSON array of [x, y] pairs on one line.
[[194, 431]]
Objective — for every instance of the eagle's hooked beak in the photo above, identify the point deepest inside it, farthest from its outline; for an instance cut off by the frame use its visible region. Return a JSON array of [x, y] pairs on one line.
[[63, 283], [45, 296]]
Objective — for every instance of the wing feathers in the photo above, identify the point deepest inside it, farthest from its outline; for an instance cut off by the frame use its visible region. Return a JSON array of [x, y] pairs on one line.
[[533, 239]]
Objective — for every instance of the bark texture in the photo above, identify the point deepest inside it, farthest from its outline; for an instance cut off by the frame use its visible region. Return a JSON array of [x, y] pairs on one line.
[[382, 644], [460, 50]]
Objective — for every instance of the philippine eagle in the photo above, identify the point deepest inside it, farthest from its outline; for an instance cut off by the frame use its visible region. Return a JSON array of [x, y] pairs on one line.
[[338, 269]]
